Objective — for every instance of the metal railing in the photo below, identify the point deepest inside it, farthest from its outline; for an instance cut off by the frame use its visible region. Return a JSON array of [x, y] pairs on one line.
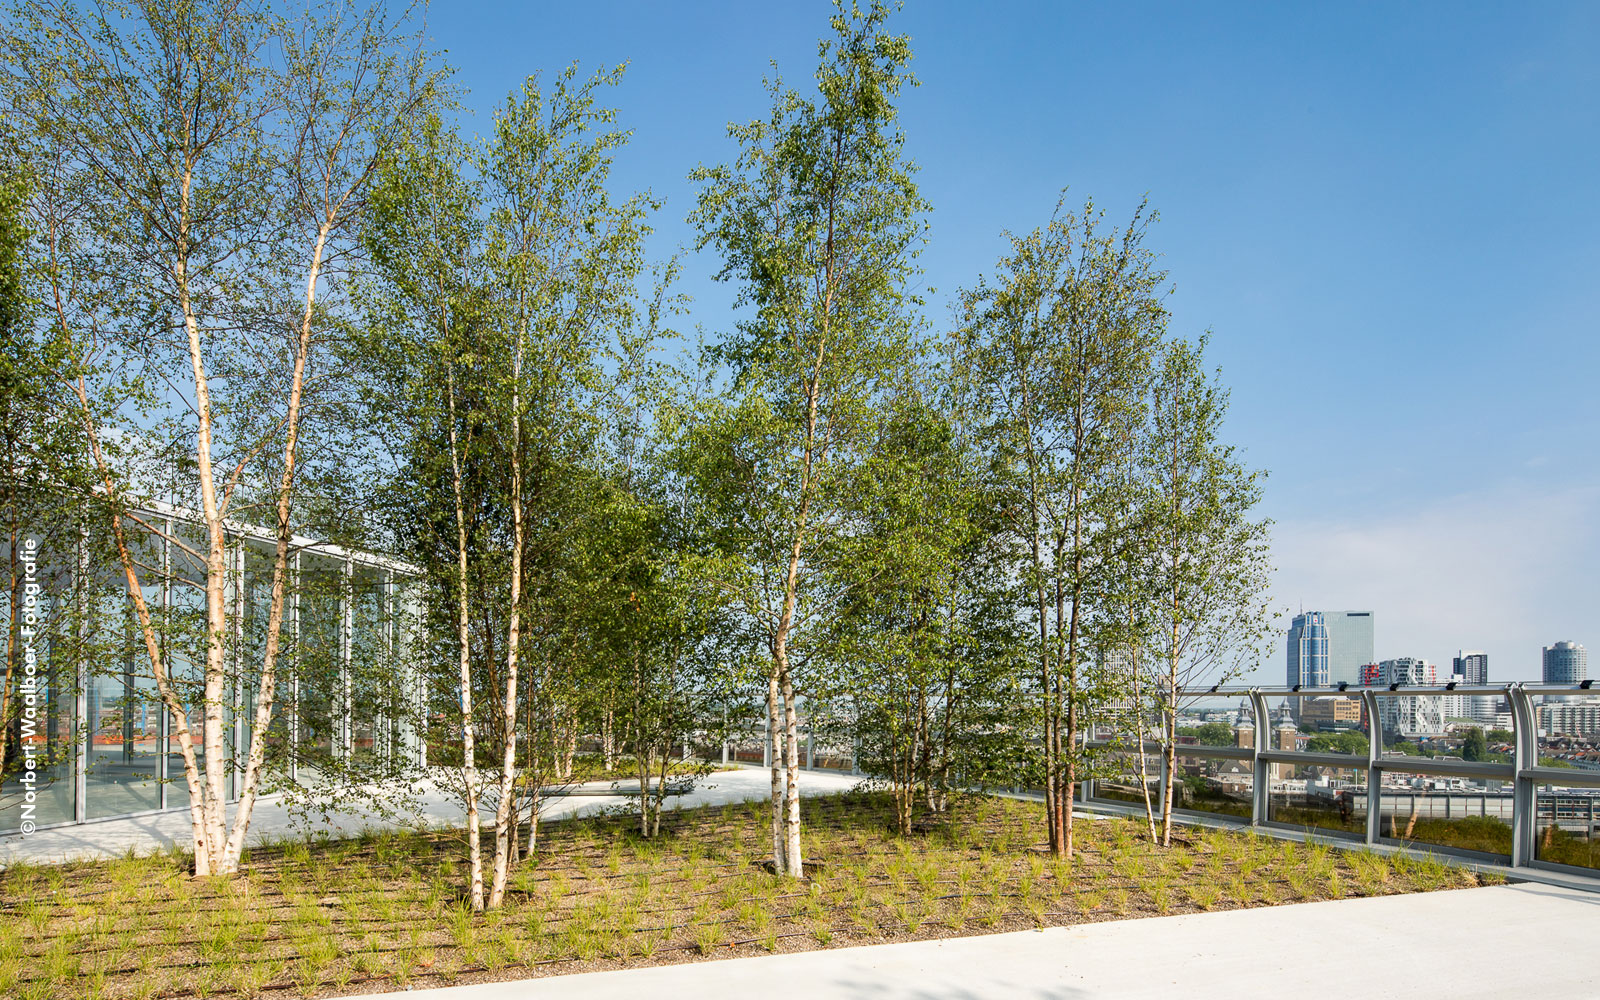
[[1523, 773]]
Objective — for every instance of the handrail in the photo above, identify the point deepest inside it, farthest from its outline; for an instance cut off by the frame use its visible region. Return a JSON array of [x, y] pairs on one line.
[[1448, 768], [1354, 691], [1307, 757], [1523, 773], [1561, 776]]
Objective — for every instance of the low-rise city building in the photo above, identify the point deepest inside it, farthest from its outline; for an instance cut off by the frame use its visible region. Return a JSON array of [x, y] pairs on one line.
[[1570, 717], [1331, 713]]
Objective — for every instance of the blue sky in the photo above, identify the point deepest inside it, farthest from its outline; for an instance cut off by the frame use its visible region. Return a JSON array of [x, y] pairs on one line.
[[1387, 214]]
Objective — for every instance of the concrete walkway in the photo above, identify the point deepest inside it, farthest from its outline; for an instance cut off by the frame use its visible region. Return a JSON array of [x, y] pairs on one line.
[[1496, 942], [272, 819]]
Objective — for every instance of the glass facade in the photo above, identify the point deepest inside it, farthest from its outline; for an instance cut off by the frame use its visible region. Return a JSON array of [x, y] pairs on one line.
[[95, 731], [1308, 651], [1350, 645]]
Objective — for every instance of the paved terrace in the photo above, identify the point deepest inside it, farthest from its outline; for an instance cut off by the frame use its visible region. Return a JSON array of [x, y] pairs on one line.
[[272, 820], [1497, 942]]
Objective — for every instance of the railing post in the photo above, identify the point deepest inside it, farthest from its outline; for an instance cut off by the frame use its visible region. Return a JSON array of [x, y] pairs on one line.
[[1369, 701], [1261, 790], [1525, 754]]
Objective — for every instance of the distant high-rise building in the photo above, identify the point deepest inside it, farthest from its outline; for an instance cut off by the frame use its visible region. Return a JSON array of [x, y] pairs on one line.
[[1420, 715], [1565, 663], [1308, 650], [1349, 645], [1471, 666], [1407, 671]]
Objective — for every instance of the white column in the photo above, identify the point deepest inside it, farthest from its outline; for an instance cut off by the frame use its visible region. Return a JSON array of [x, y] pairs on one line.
[[239, 719], [346, 746], [166, 631], [80, 776], [292, 714]]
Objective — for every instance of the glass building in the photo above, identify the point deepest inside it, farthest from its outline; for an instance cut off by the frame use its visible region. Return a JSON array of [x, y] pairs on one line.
[[1308, 650], [1350, 645], [90, 738], [1566, 663]]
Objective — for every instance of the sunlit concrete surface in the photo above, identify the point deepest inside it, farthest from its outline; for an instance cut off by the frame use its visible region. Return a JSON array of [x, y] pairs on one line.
[[1499, 942], [273, 820]]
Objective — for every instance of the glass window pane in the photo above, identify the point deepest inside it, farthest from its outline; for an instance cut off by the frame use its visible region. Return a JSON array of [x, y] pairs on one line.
[[371, 683], [1413, 725], [1334, 723], [319, 663], [257, 615], [1461, 813], [1123, 772], [1569, 727], [1568, 827], [124, 724], [1218, 785], [1214, 727], [186, 641], [1314, 795]]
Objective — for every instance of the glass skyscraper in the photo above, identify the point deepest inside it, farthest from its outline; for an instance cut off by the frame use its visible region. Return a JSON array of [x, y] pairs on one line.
[[1308, 650], [1350, 645]]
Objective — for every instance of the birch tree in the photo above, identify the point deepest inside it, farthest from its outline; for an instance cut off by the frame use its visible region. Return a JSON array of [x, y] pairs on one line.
[[427, 304], [1207, 566], [564, 257], [924, 642], [818, 221], [1059, 345], [207, 182]]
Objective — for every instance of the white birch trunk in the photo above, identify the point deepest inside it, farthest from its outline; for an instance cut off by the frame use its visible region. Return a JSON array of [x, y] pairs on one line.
[[504, 813], [775, 754]]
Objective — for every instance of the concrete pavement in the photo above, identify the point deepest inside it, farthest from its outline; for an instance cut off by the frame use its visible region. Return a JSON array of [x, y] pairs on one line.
[[1466, 944], [272, 819]]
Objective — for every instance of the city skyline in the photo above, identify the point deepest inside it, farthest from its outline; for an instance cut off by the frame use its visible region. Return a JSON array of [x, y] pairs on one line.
[[1282, 663]]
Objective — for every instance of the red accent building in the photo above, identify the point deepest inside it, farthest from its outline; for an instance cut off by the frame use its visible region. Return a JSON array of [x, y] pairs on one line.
[[1369, 678]]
